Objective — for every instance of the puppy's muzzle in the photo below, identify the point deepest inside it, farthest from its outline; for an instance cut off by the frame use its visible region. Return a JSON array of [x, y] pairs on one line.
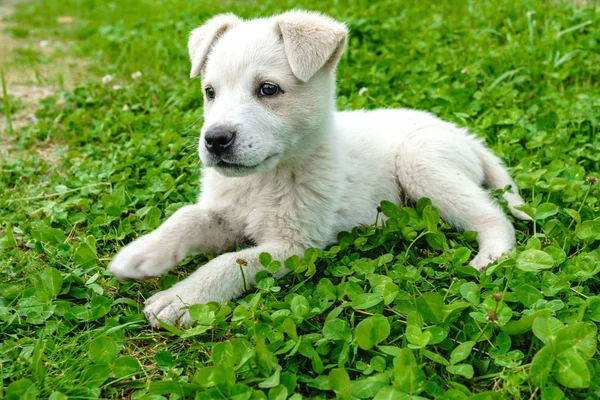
[[218, 140]]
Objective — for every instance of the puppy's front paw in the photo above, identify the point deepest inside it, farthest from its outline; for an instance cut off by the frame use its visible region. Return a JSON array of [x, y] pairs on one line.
[[146, 257], [168, 306]]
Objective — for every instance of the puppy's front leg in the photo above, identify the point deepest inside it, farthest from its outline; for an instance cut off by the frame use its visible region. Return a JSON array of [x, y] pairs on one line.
[[218, 280], [192, 229]]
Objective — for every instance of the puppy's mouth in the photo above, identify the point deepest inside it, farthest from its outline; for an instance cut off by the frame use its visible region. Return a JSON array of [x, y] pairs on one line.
[[238, 167], [226, 164]]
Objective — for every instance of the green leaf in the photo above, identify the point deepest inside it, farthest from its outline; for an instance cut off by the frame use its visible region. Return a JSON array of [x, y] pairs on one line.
[[265, 259], [240, 313], [553, 393], [364, 301], [336, 329], [593, 309], [367, 388], [393, 393], [278, 393], [100, 306], [571, 371], [465, 370], [388, 290], [378, 363], [534, 260], [408, 377], [57, 396], [528, 295], [20, 389], [48, 284], [202, 314], [103, 350], [435, 357], [431, 217], [223, 377], [461, 352], [489, 395], [579, 337], [272, 381], [174, 387], [8, 239], [438, 334], [95, 375], [372, 331], [470, 292], [546, 328], [223, 354], [436, 240], [238, 392], [541, 366], [391, 210], [300, 306], [339, 381], [588, 230], [416, 337], [525, 323], [126, 366], [84, 255], [265, 360], [389, 350], [545, 210], [461, 256], [165, 359], [430, 307]]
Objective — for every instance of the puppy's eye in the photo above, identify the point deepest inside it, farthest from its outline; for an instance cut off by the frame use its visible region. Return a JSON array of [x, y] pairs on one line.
[[268, 89], [210, 93]]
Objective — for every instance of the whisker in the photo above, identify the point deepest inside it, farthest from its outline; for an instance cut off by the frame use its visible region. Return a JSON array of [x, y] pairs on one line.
[[189, 127]]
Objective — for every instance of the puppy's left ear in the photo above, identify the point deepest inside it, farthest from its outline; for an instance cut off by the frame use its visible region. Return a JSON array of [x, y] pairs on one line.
[[312, 41], [203, 38]]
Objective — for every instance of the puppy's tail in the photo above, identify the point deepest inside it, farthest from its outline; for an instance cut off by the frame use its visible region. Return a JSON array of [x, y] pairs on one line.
[[497, 177]]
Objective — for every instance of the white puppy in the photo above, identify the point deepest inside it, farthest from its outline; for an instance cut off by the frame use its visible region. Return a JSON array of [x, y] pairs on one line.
[[284, 169]]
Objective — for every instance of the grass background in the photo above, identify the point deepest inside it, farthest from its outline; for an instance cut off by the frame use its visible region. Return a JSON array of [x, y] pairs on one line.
[[389, 313]]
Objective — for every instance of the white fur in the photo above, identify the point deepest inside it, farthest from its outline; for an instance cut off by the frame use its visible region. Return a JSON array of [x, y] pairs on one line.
[[305, 172]]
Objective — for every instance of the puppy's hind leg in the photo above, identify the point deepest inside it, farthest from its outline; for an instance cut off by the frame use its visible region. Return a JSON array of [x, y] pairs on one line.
[[463, 204], [496, 177]]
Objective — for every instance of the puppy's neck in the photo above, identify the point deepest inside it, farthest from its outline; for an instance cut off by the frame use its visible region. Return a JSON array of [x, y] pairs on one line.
[[318, 150]]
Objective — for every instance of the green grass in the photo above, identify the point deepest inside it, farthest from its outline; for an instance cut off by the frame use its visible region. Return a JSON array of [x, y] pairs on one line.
[[393, 312]]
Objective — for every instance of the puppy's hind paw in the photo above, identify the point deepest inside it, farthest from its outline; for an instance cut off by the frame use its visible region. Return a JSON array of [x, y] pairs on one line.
[[484, 258]]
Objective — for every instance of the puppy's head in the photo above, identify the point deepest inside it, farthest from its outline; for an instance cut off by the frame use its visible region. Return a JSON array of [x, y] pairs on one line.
[[269, 87]]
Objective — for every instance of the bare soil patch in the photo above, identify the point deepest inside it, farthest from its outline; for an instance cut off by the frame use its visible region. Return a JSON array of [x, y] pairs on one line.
[[27, 86]]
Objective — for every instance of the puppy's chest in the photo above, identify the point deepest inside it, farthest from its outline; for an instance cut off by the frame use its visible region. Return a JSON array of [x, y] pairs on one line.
[[283, 208]]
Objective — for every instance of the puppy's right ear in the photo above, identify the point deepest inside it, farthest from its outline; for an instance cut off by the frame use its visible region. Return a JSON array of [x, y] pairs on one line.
[[312, 41], [203, 38]]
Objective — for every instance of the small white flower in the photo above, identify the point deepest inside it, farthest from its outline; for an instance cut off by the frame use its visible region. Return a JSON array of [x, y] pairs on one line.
[[107, 78], [117, 87], [125, 107], [45, 43], [465, 70], [136, 75], [362, 91]]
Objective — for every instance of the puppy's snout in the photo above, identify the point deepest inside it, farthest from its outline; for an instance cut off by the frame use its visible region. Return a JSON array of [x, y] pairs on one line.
[[218, 140]]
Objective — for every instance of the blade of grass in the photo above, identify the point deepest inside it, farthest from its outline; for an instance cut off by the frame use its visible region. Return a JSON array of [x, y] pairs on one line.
[[6, 103]]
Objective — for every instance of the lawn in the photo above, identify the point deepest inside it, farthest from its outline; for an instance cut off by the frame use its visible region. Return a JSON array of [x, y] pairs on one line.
[[391, 312]]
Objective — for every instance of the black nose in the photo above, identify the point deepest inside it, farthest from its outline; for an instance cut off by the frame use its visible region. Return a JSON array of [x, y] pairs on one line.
[[219, 139]]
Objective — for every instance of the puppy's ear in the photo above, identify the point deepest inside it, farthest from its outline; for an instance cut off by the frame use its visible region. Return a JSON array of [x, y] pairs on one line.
[[203, 38], [312, 41]]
